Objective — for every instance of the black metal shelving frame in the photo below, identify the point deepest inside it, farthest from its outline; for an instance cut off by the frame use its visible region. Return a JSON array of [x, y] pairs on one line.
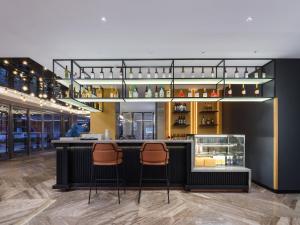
[[171, 64]]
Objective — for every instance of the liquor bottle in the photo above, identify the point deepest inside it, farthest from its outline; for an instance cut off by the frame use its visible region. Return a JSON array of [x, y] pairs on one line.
[[181, 94], [168, 94], [99, 92], [243, 90], [156, 92], [161, 92], [111, 94], [184, 121], [146, 92], [135, 93], [130, 93], [117, 93], [203, 121], [229, 91], [196, 94], [256, 92], [204, 95], [149, 92], [214, 94], [75, 93], [66, 73], [184, 107], [89, 92], [256, 73], [190, 94]]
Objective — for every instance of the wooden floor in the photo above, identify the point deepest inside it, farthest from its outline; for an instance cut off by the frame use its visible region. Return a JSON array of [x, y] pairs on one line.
[[26, 197]]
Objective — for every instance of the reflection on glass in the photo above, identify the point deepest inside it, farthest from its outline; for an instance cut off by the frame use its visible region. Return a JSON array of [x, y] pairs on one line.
[[36, 130], [3, 128], [138, 126], [56, 126], [148, 126], [20, 129], [48, 128]]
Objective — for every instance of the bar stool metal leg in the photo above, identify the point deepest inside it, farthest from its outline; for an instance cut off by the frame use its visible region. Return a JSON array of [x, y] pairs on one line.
[[117, 174], [141, 181], [168, 182], [91, 181]]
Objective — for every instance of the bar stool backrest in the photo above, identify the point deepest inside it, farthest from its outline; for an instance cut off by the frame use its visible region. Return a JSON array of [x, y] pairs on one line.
[[154, 153], [104, 153]]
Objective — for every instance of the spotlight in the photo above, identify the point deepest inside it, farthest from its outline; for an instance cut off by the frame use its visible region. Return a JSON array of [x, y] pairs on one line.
[[25, 62], [32, 71], [15, 72], [5, 61], [25, 88]]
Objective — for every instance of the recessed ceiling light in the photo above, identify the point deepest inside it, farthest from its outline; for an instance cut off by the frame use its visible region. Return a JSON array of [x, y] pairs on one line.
[[103, 19], [249, 19]]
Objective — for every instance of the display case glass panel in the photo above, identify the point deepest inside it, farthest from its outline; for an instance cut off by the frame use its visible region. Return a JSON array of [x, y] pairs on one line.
[[218, 151]]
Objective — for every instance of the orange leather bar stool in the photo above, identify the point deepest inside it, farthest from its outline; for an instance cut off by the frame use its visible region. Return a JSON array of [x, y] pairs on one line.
[[154, 154], [106, 154]]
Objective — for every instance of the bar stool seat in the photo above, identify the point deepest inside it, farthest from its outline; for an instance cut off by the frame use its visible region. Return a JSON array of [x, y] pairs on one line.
[[154, 154], [106, 154]]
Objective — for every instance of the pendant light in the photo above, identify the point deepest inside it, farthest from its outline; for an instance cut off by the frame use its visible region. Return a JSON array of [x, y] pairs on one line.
[[156, 73], [163, 73], [256, 73], [256, 92], [193, 72], [111, 72], [130, 73], [148, 74], [263, 74], [202, 72], [101, 73], [182, 72], [170, 72], [229, 92], [243, 90], [212, 72], [246, 73], [140, 73], [236, 73]]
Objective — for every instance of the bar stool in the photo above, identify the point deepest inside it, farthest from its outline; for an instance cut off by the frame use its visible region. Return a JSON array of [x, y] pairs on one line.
[[154, 154], [106, 154]]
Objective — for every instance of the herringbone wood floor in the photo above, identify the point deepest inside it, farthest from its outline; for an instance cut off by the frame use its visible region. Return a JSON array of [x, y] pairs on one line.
[[26, 197]]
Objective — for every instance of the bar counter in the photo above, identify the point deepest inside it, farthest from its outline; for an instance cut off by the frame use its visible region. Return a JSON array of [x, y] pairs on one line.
[[73, 162]]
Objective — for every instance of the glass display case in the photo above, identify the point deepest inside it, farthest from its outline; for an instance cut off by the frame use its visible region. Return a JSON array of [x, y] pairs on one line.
[[218, 152]]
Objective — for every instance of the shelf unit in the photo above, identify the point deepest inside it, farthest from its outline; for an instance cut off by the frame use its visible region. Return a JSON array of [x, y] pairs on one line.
[[171, 78]]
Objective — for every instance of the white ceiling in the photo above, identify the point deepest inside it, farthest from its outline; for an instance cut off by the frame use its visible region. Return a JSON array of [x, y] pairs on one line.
[[43, 29]]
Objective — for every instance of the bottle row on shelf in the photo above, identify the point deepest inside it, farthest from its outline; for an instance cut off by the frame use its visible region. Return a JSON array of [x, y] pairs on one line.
[[180, 107], [181, 121], [207, 121], [157, 92]]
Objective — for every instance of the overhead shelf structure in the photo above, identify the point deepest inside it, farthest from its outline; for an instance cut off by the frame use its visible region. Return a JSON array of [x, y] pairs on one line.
[[172, 74]]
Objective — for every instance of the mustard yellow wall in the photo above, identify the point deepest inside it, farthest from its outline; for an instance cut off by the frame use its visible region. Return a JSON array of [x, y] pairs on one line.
[[104, 120]]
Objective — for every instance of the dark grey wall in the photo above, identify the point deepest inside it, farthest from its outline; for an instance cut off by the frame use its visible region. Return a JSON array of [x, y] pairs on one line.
[[287, 90], [255, 120]]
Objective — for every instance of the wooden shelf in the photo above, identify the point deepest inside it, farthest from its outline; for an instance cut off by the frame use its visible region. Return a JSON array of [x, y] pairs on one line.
[[180, 125], [181, 111], [208, 111], [208, 125]]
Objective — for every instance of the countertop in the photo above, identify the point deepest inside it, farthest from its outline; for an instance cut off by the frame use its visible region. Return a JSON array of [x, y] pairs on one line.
[[77, 140]]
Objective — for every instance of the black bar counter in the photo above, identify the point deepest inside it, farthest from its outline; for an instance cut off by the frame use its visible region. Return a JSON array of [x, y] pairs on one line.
[[73, 163]]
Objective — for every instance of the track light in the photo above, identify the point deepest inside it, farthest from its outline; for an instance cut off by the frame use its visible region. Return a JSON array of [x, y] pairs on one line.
[[202, 72], [246, 73], [236, 73], [212, 72], [140, 75], [130, 73], [148, 73], [156, 73]]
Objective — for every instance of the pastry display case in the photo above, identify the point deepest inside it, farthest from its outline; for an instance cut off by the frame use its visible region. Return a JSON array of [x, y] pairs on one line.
[[223, 152]]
